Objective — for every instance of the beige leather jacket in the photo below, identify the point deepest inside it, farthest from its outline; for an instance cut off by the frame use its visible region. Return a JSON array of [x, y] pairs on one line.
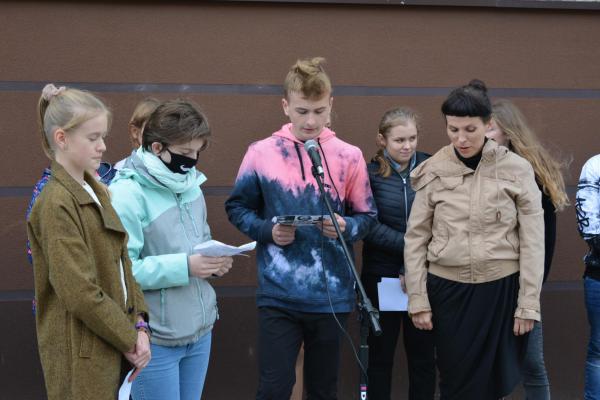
[[476, 226]]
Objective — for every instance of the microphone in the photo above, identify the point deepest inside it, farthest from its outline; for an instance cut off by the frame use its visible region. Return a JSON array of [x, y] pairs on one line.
[[311, 148]]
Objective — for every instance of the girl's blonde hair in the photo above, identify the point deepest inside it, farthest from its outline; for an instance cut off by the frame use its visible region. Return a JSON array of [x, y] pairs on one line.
[[66, 108], [142, 111], [308, 77], [523, 141], [392, 118]]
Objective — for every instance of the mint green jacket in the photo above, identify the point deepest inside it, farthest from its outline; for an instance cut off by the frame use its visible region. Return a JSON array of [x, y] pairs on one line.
[[163, 228]]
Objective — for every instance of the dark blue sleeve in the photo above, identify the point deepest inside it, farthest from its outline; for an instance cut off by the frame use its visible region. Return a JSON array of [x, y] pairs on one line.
[[358, 226], [37, 189], [243, 208], [388, 239]]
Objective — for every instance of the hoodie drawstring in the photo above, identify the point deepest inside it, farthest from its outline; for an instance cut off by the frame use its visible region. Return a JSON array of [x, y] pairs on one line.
[[300, 159]]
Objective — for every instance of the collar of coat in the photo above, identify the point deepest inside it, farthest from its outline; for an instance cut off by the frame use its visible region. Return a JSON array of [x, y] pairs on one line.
[[110, 219], [445, 164]]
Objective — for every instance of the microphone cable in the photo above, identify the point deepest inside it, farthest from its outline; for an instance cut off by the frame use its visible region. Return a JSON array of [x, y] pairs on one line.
[[341, 327]]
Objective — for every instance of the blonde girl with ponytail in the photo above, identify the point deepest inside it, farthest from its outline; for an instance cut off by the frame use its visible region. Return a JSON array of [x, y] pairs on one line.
[[510, 129], [91, 314], [383, 256]]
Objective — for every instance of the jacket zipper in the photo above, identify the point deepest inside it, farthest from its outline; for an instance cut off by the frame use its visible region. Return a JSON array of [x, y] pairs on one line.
[[162, 307], [195, 282], [189, 213], [180, 206], [477, 179], [405, 204], [203, 310]]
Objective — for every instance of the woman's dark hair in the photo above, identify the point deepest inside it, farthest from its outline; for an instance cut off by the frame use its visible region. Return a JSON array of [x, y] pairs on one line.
[[174, 122], [469, 101]]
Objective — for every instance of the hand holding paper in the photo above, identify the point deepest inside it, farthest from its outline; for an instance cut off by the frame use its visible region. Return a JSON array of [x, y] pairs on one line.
[[203, 267]]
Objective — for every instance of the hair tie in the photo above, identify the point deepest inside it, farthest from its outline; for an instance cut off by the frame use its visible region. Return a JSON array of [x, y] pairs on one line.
[[50, 91]]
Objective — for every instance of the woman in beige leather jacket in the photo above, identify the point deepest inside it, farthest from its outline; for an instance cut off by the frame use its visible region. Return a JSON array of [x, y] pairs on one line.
[[474, 253]]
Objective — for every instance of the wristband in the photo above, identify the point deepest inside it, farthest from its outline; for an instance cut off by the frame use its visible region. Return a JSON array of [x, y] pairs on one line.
[[142, 325]]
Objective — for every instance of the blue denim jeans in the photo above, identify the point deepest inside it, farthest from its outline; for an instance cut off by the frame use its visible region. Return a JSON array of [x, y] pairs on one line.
[[535, 377], [174, 373], [592, 362]]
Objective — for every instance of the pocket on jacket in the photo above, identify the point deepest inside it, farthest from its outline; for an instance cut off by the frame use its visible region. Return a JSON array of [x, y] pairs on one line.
[[451, 182], [499, 195], [440, 239], [208, 297], [87, 342]]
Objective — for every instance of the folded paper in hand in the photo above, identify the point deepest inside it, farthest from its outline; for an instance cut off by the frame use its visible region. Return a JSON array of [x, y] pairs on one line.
[[214, 248]]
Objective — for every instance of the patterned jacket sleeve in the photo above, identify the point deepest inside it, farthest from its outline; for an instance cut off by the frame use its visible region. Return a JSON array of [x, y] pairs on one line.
[[588, 199], [37, 189]]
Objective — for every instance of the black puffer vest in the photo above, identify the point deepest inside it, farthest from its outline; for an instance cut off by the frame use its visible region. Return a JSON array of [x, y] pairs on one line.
[[383, 250]]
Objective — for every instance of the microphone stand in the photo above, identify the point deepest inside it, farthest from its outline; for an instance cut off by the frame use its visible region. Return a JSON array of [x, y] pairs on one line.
[[369, 315]]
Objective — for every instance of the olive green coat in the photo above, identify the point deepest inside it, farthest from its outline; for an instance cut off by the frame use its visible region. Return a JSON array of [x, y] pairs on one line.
[[83, 323]]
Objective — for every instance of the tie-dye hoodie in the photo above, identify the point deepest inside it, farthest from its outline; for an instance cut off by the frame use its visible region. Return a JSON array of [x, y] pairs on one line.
[[275, 179]]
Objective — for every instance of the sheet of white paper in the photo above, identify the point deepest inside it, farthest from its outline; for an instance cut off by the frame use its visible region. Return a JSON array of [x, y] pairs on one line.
[[125, 388], [391, 296], [214, 248]]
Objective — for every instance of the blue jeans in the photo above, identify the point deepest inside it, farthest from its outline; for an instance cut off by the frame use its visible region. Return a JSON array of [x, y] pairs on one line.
[[535, 377], [174, 373], [592, 362]]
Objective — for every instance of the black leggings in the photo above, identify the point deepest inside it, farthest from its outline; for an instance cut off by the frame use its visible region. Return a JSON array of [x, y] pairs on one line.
[[418, 345]]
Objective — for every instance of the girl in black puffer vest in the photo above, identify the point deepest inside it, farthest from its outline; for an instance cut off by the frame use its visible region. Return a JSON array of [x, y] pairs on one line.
[[383, 257]]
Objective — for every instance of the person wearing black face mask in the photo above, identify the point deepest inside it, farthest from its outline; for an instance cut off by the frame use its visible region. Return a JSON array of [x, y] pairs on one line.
[[179, 163], [159, 201]]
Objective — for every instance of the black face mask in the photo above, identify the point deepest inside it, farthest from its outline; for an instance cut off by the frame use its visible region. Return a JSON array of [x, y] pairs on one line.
[[180, 164]]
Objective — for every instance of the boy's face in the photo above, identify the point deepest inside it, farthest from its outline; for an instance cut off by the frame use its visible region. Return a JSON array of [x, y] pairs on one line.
[[308, 116]]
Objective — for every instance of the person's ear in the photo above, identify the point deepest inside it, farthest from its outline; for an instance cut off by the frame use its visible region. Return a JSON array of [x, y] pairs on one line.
[[60, 138], [286, 107], [380, 140], [156, 148]]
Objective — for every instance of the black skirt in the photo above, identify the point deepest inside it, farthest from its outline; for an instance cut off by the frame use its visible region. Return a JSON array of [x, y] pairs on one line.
[[478, 355]]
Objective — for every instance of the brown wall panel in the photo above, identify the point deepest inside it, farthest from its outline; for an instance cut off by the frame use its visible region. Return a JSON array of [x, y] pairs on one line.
[[243, 272], [232, 373], [15, 271], [236, 121], [21, 376], [567, 264], [255, 43], [567, 126]]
